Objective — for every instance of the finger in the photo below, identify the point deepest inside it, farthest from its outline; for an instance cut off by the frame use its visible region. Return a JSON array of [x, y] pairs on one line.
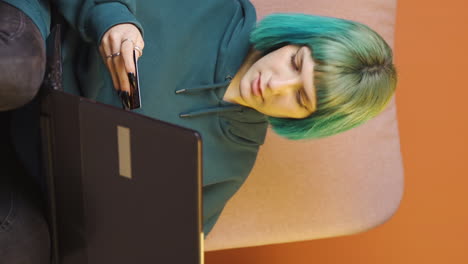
[[119, 63], [107, 52], [140, 42], [138, 52], [126, 50], [119, 66], [139, 46], [113, 73]]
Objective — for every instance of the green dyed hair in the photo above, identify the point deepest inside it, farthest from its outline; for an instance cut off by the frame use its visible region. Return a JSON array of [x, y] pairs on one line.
[[354, 75]]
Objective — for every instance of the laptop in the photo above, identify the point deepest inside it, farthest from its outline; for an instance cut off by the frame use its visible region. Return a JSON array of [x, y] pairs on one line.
[[123, 188]]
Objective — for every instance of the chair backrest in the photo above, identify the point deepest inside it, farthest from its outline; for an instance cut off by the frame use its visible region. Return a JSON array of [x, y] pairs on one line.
[[334, 186]]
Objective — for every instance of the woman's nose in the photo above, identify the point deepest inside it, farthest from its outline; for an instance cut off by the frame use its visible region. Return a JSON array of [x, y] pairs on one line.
[[280, 85]]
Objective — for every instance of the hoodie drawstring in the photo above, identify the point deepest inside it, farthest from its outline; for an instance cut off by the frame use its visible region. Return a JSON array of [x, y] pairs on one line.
[[210, 110], [214, 110], [203, 87]]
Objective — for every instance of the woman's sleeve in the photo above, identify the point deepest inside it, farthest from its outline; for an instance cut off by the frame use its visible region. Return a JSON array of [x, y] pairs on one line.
[[92, 18]]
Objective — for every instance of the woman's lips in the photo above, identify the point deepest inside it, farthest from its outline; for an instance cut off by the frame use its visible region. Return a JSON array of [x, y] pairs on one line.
[[256, 86]]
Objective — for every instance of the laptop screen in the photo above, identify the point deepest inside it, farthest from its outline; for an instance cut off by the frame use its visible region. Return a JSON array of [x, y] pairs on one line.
[[125, 188]]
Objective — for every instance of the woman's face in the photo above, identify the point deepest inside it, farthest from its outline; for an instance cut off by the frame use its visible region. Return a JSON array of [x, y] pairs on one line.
[[280, 84]]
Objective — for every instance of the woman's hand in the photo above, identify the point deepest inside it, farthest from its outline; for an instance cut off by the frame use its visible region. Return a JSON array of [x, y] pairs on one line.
[[116, 49]]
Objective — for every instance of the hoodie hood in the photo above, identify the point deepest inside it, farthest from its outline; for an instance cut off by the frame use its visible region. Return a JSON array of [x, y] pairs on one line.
[[233, 117], [233, 48]]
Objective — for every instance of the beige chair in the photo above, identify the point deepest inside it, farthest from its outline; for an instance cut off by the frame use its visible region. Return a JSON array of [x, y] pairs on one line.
[[330, 187]]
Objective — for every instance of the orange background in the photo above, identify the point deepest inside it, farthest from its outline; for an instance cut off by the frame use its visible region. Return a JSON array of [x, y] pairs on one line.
[[431, 226]]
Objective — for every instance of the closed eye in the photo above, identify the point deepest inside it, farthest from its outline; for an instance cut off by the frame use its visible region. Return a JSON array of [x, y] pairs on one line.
[[293, 62], [299, 98]]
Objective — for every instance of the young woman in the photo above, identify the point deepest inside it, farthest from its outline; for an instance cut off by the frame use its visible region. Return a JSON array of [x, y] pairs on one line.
[[212, 70], [206, 66]]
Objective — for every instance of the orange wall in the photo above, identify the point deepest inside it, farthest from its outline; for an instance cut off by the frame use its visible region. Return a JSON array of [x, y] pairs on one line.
[[431, 225]]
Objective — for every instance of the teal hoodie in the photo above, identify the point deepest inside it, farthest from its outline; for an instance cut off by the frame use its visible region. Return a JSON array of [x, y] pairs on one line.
[[192, 50]]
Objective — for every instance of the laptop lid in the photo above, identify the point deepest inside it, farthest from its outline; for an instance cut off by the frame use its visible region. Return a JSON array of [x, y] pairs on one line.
[[124, 188]]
